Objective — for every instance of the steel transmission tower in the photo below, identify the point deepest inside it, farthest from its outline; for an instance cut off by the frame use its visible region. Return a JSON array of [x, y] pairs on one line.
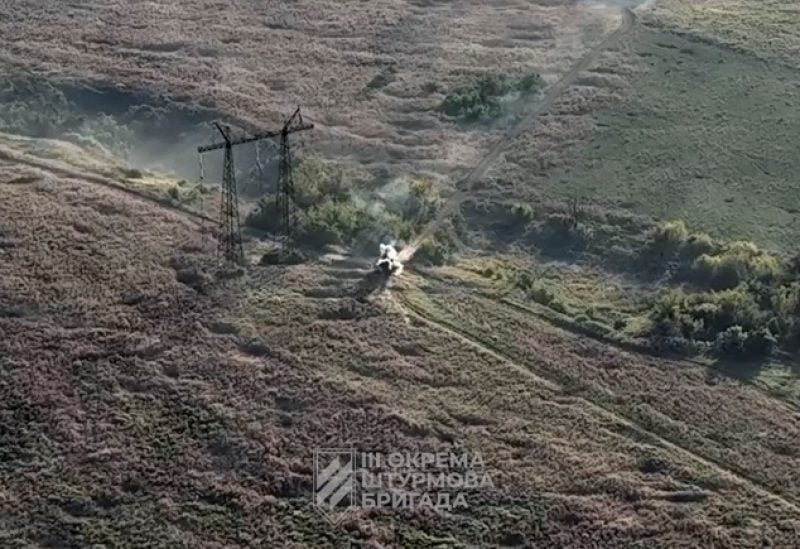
[[285, 199], [230, 238]]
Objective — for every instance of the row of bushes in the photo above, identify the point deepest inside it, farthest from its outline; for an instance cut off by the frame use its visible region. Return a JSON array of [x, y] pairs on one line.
[[332, 210], [731, 298], [702, 261], [37, 108]]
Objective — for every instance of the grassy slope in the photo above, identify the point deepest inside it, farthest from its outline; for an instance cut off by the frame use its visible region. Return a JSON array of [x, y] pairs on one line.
[[330, 53], [705, 135], [146, 423], [137, 414], [768, 28]]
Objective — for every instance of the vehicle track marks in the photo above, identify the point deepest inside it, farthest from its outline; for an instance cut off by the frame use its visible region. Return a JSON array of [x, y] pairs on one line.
[[513, 131], [412, 312]]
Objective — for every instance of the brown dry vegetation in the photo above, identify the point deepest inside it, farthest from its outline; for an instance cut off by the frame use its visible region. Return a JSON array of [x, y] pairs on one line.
[[256, 61], [139, 410], [151, 398]]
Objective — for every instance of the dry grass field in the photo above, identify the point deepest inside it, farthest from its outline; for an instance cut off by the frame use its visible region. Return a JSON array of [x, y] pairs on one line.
[[139, 409], [152, 397], [256, 61], [768, 28]]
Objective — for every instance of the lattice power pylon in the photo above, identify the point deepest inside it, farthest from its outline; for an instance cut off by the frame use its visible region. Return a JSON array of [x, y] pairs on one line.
[[285, 199], [230, 238]]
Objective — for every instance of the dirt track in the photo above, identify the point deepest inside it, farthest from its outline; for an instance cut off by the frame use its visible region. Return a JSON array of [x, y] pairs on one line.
[[522, 124], [495, 352]]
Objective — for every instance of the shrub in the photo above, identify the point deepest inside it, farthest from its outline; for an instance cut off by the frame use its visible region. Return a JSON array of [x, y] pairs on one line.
[[482, 100], [665, 241], [383, 78], [731, 342], [597, 328], [433, 251], [422, 203], [518, 214], [471, 104], [524, 280], [698, 244], [290, 256], [671, 233], [530, 83], [540, 293], [430, 87], [735, 263], [316, 181], [265, 217], [132, 173], [760, 343], [564, 230], [334, 223], [731, 321]]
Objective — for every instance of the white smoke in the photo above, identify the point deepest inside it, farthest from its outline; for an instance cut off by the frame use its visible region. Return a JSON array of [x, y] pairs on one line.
[[390, 257]]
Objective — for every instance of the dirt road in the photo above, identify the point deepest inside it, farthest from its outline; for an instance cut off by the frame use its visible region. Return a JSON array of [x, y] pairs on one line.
[[485, 346], [522, 125]]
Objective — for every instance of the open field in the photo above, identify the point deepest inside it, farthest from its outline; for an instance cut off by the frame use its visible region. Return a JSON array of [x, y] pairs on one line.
[[143, 411], [705, 137], [767, 28], [154, 397], [370, 75]]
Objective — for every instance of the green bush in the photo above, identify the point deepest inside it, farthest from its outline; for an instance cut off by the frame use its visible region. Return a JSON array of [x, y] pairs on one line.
[[530, 83], [518, 215], [671, 233], [733, 264], [698, 244], [483, 99], [731, 321], [731, 342], [760, 343], [672, 243], [265, 217], [665, 241], [541, 294], [316, 181], [131, 173], [385, 77], [33, 107], [422, 203], [563, 230], [433, 252], [524, 280], [335, 222]]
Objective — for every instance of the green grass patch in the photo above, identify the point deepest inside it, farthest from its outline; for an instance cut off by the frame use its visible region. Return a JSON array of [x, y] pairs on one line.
[[706, 135]]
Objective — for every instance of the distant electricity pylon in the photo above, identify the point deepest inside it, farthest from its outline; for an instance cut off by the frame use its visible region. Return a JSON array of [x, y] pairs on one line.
[[285, 201], [230, 238]]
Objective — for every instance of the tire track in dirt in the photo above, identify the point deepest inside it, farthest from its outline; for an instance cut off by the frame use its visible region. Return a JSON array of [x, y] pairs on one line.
[[443, 326], [549, 99]]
